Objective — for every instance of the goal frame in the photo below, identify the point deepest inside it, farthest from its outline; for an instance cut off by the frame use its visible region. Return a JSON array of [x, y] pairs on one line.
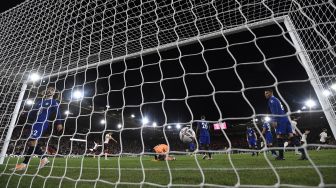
[[297, 43]]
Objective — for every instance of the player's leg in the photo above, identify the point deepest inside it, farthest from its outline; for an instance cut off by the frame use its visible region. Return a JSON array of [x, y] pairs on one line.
[[105, 149], [208, 147], [280, 131]]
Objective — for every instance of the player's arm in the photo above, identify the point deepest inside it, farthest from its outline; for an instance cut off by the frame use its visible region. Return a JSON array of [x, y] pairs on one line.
[[263, 131], [113, 139], [58, 120]]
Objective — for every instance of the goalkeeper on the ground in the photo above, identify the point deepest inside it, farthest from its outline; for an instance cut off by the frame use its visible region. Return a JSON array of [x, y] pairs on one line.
[[161, 153]]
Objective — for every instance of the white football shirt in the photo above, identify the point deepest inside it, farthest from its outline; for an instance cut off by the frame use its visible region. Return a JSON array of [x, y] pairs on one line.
[[304, 138], [293, 123], [323, 137], [108, 137]]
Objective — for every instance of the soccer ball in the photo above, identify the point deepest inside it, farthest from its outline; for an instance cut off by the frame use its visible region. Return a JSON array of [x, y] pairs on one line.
[[187, 135]]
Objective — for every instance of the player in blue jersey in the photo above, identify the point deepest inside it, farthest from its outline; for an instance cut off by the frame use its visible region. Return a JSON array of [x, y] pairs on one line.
[[280, 122], [251, 138], [204, 136], [267, 132], [43, 111]]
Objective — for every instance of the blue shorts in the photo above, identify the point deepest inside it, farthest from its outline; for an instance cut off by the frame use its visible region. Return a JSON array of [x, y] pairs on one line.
[[252, 142], [38, 129], [283, 127], [269, 138], [192, 147], [204, 140]]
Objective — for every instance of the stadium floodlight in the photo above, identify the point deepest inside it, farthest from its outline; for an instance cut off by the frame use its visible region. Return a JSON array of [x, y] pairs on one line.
[[67, 112], [299, 111], [333, 86], [145, 120], [34, 77], [29, 102], [102, 121], [310, 103], [256, 120], [119, 125], [154, 124], [267, 119], [132, 116], [169, 127], [178, 126], [326, 93], [77, 94], [303, 108], [107, 106]]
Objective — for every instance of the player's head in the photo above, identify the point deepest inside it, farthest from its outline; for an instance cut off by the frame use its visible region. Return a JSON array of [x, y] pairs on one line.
[[307, 131], [203, 117], [325, 130], [268, 93], [50, 91]]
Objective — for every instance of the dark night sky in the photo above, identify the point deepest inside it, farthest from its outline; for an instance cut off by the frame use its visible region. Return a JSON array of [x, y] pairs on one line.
[[106, 85], [7, 4]]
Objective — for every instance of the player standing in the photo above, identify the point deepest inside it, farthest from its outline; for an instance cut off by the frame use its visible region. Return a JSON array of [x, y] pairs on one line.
[[204, 137], [108, 137], [280, 123], [323, 138], [251, 138], [42, 111], [267, 132], [304, 141], [296, 137]]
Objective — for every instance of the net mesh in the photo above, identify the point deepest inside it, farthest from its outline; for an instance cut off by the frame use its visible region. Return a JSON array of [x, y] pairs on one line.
[[116, 63]]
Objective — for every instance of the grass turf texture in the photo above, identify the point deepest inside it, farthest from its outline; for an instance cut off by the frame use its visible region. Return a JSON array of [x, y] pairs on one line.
[[252, 171]]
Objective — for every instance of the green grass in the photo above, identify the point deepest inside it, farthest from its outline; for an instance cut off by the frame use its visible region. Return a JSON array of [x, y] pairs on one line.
[[251, 170]]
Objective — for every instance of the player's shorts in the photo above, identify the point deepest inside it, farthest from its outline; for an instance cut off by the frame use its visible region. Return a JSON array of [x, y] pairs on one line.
[[106, 147], [38, 129], [204, 140], [269, 138], [192, 147], [283, 127], [252, 142]]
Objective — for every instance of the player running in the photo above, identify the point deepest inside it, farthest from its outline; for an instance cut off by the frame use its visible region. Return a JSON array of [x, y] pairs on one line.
[[161, 153], [108, 137], [42, 111], [280, 122], [251, 138], [267, 132], [204, 137]]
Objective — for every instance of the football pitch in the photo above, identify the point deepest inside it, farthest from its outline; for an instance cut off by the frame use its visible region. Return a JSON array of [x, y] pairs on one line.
[[131, 171]]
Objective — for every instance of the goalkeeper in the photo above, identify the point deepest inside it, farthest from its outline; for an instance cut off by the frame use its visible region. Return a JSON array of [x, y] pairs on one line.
[[42, 112], [161, 153]]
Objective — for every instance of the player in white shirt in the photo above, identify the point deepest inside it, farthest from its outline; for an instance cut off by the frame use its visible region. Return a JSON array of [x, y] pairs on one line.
[[323, 138], [108, 137], [304, 141]]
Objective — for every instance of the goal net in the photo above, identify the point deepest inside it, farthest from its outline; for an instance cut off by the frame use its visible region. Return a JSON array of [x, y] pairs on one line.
[[129, 75]]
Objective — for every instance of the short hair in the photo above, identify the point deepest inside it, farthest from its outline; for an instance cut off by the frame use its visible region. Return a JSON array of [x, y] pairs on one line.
[[203, 117], [269, 90]]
